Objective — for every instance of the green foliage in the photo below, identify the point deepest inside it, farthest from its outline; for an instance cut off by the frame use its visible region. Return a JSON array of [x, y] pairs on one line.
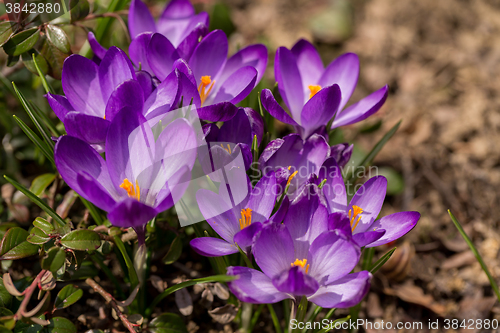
[[168, 323], [83, 240], [68, 295], [15, 246]]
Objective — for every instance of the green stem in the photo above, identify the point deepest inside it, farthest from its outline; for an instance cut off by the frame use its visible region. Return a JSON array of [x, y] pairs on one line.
[[246, 316], [476, 254], [134, 280], [328, 316], [255, 317], [301, 311], [276, 322]]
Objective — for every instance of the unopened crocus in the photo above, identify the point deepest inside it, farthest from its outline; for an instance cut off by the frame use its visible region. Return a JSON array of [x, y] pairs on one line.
[[314, 94], [140, 177], [235, 219], [299, 159], [301, 257], [178, 23], [219, 82], [359, 218]]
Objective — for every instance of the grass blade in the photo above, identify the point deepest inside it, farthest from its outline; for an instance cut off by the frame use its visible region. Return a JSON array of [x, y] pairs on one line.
[[36, 140], [35, 199], [46, 120], [476, 254], [276, 321], [93, 211], [382, 261], [46, 86]]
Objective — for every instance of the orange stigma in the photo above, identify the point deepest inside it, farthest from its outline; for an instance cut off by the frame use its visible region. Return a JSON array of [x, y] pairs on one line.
[[228, 148], [132, 191], [246, 218], [291, 177], [353, 213], [205, 82], [314, 90], [301, 263]]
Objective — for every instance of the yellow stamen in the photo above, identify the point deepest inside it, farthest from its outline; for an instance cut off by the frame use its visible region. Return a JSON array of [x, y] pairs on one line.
[[301, 263], [205, 82], [291, 177], [353, 213], [133, 192], [228, 148], [314, 90], [246, 218], [104, 117], [289, 168]]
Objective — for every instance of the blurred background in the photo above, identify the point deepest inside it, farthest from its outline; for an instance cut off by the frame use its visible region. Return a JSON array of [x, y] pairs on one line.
[[441, 60]]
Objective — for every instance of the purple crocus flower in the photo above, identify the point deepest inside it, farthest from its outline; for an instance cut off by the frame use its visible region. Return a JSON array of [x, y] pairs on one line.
[[301, 257], [178, 23], [236, 224], [358, 219], [219, 82], [314, 94], [140, 177], [299, 159]]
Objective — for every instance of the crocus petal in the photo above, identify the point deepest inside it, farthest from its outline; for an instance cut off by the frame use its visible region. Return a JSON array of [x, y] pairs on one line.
[[189, 43], [264, 196], [140, 19], [289, 81], [115, 68], [395, 225], [340, 221], [60, 105], [273, 249], [334, 187], [94, 192], [74, 156], [369, 197], [90, 129], [271, 105], [253, 55], [343, 71], [253, 286], [212, 247], [217, 112], [341, 153], [162, 98], [309, 63], [294, 281], [182, 66], [281, 212], [177, 9], [188, 93], [237, 129], [244, 237], [218, 214], [131, 213], [343, 293], [362, 109], [147, 83], [209, 56], [129, 93], [256, 123], [80, 83], [332, 256], [161, 55], [129, 146], [368, 237], [97, 48], [138, 50], [237, 86], [320, 109]]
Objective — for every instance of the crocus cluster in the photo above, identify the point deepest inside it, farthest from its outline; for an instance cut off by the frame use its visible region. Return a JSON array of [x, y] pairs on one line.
[[292, 216]]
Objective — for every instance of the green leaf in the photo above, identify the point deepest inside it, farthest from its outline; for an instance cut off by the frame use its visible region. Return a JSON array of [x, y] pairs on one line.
[[54, 57], [60, 325], [83, 240], [45, 226], [37, 201], [35, 139], [15, 246], [79, 10], [5, 296], [67, 296], [168, 323], [38, 236], [58, 38], [32, 59], [54, 260], [174, 252], [40, 183], [22, 42], [376, 266], [7, 29]]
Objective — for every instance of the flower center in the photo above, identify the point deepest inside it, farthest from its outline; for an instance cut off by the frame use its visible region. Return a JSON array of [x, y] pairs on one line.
[[291, 176], [314, 90], [228, 149], [246, 218], [206, 81], [132, 191], [354, 212], [301, 263]]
